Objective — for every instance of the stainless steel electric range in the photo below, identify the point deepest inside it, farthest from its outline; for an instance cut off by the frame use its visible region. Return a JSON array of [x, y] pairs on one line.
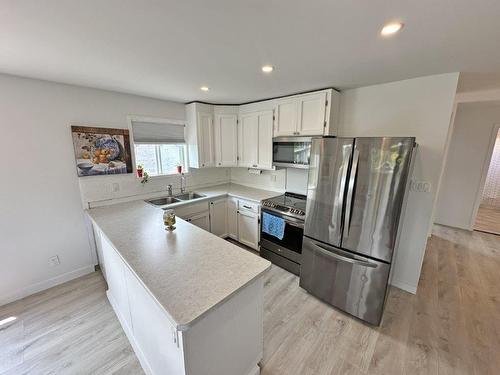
[[285, 252]]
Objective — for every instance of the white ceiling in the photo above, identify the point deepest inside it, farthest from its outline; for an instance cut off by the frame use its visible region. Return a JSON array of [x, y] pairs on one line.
[[168, 49]]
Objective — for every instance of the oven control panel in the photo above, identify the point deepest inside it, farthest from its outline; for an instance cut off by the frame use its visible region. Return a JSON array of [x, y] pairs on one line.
[[283, 209]]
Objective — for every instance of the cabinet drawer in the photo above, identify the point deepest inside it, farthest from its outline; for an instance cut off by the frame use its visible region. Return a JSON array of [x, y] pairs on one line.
[[191, 209], [248, 206]]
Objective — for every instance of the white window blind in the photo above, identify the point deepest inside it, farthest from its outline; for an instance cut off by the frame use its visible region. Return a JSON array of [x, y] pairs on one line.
[[158, 132]]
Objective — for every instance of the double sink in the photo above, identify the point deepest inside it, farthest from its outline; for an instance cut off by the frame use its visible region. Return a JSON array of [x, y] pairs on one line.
[[175, 199]]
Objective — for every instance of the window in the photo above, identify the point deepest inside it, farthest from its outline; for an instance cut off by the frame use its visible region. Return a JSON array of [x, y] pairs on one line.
[[159, 145], [161, 159]]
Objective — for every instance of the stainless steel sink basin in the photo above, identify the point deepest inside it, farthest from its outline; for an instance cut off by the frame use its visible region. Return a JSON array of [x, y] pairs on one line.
[[189, 196], [163, 201]]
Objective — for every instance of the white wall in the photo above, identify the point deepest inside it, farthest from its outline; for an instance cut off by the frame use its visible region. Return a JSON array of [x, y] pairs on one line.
[[296, 180], [468, 153], [41, 212], [419, 107], [268, 180]]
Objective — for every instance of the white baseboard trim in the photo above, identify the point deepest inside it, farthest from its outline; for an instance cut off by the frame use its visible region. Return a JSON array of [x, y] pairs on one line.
[[46, 284], [404, 286], [255, 370]]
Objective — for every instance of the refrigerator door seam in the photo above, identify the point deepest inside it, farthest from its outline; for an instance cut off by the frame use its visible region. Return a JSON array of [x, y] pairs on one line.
[[350, 192]]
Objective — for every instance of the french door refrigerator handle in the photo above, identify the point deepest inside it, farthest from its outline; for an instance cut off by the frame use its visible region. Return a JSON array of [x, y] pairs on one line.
[[342, 258], [350, 192]]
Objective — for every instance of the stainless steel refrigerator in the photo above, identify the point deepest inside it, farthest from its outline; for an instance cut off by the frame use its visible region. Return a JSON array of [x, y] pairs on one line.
[[355, 200]]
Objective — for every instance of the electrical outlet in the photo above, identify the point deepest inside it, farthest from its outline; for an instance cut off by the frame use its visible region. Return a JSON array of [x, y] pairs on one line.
[[54, 261], [113, 187], [420, 186], [273, 178]]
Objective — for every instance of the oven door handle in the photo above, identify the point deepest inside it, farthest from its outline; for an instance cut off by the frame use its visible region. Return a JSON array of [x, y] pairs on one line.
[[297, 225], [342, 258]]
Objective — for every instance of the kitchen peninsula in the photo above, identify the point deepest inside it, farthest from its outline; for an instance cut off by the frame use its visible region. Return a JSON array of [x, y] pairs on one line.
[[189, 302]]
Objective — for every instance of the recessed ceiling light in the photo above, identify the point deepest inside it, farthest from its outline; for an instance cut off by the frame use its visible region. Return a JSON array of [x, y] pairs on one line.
[[391, 28], [267, 68], [204, 88]]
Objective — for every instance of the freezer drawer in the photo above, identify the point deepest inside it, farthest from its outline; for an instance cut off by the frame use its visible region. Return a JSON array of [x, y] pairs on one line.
[[354, 284]]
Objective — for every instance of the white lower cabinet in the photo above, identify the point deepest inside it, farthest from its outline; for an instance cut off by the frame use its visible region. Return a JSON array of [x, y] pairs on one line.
[[115, 277], [196, 213], [157, 338], [232, 218], [248, 228], [218, 217], [201, 220], [225, 217], [207, 347]]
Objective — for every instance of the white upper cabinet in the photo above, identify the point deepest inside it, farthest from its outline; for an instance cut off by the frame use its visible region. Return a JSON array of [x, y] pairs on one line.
[[216, 137], [200, 135], [311, 114], [286, 117], [307, 114], [265, 149], [226, 138], [248, 136], [255, 135], [206, 139]]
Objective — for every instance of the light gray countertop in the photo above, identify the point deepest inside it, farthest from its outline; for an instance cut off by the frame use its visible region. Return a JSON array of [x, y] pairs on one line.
[[188, 271], [239, 191]]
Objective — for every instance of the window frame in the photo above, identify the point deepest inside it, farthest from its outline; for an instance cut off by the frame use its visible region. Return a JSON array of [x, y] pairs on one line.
[[158, 120]]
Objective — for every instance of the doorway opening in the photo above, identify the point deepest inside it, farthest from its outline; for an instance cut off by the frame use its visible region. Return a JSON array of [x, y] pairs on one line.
[[488, 213]]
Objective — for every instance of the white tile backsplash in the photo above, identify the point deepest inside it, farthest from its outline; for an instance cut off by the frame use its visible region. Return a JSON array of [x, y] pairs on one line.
[[296, 180], [267, 180], [100, 189]]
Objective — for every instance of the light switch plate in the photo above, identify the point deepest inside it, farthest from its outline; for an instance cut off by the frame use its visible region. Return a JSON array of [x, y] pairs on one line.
[[420, 186]]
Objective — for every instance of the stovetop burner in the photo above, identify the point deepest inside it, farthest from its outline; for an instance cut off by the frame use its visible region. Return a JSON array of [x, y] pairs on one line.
[[289, 203]]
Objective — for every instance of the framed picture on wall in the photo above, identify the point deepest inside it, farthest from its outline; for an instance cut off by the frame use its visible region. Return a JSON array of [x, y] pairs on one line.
[[101, 151]]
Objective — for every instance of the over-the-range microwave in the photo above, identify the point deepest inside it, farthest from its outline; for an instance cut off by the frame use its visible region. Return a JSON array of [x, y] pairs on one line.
[[291, 152]]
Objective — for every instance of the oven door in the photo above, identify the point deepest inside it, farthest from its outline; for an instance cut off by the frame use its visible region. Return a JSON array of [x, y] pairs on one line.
[[291, 244], [291, 152]]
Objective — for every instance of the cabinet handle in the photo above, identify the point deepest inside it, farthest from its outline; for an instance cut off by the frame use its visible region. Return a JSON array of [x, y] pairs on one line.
[[247, 207], [254, 165]]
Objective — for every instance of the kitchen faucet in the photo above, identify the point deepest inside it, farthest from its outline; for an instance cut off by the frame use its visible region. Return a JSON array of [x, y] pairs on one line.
[[169, 190]]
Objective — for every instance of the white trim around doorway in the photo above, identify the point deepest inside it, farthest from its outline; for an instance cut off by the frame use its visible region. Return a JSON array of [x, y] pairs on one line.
[[484, 174]]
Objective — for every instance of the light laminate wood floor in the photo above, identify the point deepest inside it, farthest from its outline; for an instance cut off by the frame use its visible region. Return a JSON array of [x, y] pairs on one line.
[[452, 325], [488, 219]]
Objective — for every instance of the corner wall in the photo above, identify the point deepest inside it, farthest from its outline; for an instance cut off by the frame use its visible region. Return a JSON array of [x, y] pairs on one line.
[[41, 212], [420, 107], [468, 154]]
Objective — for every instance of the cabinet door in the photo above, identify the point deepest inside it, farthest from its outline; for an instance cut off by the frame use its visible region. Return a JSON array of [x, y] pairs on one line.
[[218, 217], [98, 246], [248, 229], [115, 277], [201, 220], [265, 154], [205, 139], [156, 337], [232, 218], [226, 140], [248, 140], [286, 117], [311, 116]]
